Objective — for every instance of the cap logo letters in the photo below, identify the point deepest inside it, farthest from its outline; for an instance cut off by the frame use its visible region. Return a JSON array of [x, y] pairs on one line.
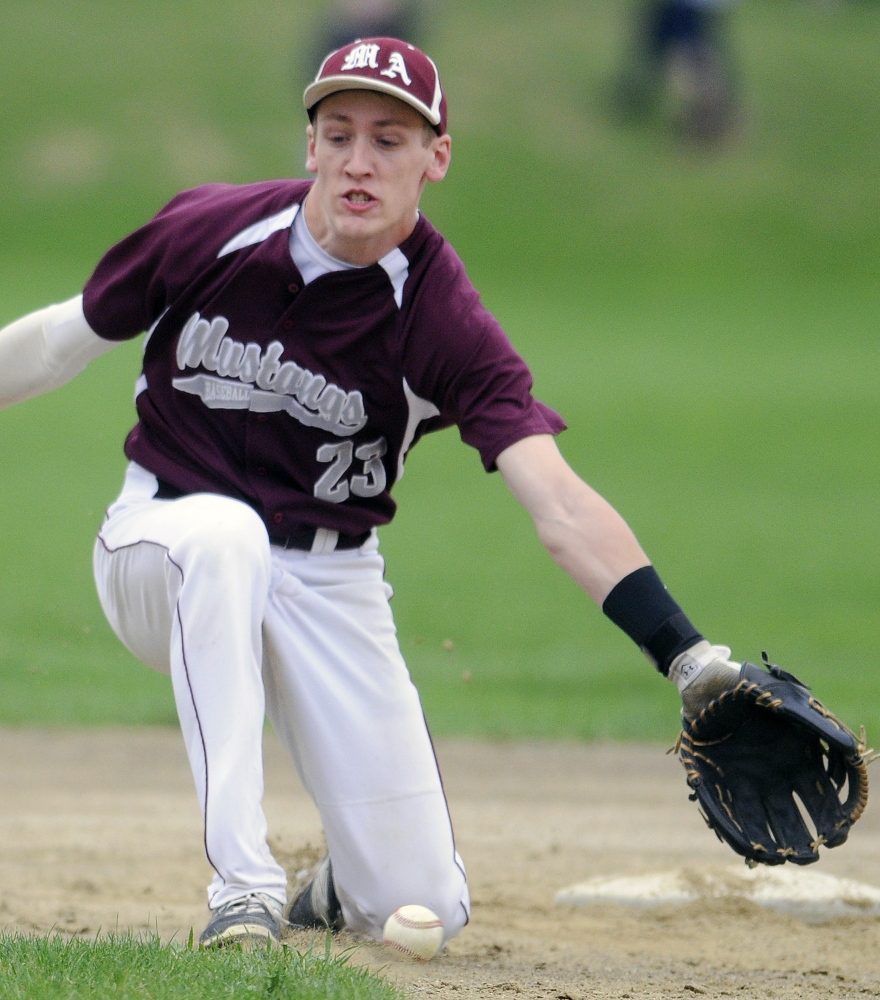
[[396, 68], [362, 57]]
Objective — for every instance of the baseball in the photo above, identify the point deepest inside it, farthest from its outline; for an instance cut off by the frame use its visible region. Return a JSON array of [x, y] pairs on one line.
[[414, 930]]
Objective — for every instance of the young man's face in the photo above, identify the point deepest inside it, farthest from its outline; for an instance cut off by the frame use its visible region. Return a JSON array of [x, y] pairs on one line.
[[372, 157]]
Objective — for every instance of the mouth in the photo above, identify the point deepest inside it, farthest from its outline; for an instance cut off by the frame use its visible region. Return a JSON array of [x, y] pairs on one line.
[[358, 200]]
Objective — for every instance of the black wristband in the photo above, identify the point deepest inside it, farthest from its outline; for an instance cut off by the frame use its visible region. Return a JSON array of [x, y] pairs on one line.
[[643, 608]]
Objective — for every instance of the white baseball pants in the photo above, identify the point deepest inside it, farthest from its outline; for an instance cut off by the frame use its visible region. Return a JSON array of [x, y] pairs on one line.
[[193, 588]]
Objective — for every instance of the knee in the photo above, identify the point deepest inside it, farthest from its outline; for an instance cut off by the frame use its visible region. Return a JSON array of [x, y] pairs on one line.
[[455, 902], [452, 906], [455, 912], [444, 892]]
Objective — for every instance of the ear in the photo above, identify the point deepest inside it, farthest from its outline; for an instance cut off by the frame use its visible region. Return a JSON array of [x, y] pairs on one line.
[[441, 148], [311, 159]]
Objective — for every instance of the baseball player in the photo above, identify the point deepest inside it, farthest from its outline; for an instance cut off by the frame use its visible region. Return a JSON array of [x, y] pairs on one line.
[[301, 336], [679, 50]]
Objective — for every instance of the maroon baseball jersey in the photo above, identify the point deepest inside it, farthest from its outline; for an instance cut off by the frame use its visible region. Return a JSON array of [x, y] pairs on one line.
[[301, 399]]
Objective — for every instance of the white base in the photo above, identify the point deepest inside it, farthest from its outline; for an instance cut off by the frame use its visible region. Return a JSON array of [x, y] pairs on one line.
[[809, 896]]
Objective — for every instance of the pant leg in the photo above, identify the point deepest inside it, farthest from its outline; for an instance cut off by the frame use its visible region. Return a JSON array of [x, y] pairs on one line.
[[184, 584], [341, 699]]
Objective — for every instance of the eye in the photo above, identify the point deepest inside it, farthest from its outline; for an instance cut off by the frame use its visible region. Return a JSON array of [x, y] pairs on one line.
[[388, 141]]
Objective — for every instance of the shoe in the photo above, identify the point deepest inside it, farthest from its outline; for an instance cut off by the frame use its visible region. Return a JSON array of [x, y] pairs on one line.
[[251, 921], [317, 905]]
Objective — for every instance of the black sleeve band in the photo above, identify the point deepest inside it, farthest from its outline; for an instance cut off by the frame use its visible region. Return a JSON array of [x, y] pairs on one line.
[[643, 608]]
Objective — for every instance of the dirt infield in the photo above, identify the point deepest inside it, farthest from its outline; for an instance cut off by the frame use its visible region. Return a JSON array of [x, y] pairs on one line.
[[100, 831]]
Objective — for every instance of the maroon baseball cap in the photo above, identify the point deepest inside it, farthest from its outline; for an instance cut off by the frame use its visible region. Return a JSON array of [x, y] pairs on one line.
[[387, 65]]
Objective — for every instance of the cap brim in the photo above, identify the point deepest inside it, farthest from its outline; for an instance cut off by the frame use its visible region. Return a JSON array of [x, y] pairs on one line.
[[333, 84]]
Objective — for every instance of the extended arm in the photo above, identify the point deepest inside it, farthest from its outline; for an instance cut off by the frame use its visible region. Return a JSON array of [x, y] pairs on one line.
[[581, 531], [595, 546], [45, 349]]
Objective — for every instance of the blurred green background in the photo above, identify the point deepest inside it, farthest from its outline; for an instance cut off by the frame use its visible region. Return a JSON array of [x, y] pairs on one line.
[[704, 319]]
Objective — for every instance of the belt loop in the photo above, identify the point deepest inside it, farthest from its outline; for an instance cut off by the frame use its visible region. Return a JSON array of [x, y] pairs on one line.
[[325, 542]]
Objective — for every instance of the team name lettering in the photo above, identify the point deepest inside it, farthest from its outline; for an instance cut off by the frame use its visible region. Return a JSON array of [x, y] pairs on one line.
[[362, 57], [396, 68], [249, 378]]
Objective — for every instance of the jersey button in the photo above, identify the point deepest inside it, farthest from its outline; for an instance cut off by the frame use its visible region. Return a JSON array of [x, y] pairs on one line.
[[293, 289], [262, 418], [278, 517], [288, 324], [261, 470]]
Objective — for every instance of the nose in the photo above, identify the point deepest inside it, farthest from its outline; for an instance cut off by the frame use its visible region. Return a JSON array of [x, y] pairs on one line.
[[359, 161]]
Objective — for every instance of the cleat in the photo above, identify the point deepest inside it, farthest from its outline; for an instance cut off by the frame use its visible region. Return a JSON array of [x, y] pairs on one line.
[[252, 921], [317, 905]]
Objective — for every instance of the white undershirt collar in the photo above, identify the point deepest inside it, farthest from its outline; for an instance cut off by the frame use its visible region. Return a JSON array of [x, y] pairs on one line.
[[312, 260]]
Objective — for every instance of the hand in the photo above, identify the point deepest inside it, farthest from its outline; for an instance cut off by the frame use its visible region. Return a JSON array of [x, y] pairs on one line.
[[701, 673], [776, 774]]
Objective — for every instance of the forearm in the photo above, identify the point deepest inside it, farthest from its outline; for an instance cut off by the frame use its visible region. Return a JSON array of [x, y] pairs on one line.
[[582, 532], [595, 546], [588, 539], [45, 349]]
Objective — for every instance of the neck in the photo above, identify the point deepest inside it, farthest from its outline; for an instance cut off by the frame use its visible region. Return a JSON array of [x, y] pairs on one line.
[[358, 250]]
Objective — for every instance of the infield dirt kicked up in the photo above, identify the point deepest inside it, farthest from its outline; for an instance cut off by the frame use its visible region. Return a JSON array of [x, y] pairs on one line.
[[101, 833]]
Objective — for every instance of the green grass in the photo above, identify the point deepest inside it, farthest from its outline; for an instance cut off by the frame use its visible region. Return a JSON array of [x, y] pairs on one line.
[[757, 503], [706, 322], [127, 968]]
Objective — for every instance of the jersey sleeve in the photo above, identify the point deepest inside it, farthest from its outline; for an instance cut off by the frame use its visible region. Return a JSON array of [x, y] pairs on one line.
[[139, 277], [459, 358]]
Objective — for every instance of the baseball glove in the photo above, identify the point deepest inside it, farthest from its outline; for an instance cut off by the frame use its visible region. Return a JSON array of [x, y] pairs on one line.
[[758, 745]]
